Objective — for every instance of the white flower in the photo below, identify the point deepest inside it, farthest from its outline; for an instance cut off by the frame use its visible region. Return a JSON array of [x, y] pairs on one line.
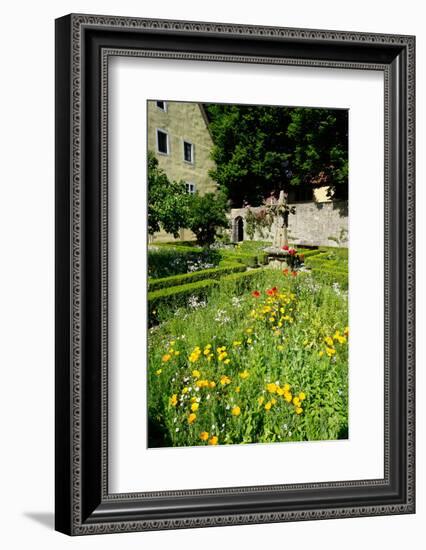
[[177, 429]]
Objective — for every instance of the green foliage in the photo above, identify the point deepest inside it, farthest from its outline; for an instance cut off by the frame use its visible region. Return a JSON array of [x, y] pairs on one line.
[[166, 261], [259, 149], [245, 407], [164, 301], [168, 201], [214, 273], [329, 275], [241, 282], [257, 221], [206, 216]]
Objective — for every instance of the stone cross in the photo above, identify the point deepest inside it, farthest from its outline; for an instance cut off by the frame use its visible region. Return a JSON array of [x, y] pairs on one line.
[[281, 223]]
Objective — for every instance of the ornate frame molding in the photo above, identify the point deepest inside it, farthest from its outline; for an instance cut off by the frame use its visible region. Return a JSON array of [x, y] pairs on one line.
[[85, 507]]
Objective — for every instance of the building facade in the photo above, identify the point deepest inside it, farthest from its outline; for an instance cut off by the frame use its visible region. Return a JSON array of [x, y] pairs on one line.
[[179, 136]]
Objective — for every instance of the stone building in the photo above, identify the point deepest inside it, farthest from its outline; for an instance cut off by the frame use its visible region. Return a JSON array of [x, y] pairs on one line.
[[179, 136]]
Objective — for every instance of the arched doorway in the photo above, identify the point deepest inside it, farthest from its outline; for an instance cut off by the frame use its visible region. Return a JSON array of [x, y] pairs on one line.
[[238, 229]]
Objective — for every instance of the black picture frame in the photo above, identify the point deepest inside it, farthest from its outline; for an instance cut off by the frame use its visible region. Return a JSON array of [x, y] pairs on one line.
[[83, 46]]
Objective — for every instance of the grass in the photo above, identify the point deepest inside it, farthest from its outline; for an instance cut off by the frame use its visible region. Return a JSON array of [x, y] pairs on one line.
[[244, 368]]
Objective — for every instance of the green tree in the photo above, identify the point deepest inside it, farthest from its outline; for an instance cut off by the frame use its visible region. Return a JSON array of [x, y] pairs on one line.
[[207, 214], [168, 201], [259, 149]]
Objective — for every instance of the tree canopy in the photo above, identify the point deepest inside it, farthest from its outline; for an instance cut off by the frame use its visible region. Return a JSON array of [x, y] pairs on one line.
[[259, 149], [171, 207], [168, 201]]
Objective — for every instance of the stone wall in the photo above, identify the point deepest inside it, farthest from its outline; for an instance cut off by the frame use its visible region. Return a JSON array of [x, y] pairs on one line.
[[313, 224]]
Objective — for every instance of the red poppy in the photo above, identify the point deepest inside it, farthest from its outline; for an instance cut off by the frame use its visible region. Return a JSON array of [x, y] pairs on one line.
[[285, 271], [294, 273], [272, 291], [292, 251], [285, 247], [255, 293]]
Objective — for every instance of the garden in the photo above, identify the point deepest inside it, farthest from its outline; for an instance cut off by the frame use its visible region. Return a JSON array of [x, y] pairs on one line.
[[242, 353], [247, 335]]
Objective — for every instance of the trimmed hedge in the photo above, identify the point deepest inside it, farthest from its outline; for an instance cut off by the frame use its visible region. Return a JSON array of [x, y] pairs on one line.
[[212, 273], [176, 296], [333, 276], [307, 253], [242, 281], [250, 260]]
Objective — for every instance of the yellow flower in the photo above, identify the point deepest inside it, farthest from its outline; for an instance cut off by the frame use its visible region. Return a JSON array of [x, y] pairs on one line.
[[249, 330], [224, 380], [166, 357], [249, 341], [236, 343], [227, 361], [273, 401], [298, 410], [173, 400], [245, 374], [177, 352], [191, 418], [286, 387], [237, 389], [158, 372], [213, 440], [296, 401], [204, 436], [172, 343], [235, 410], [261, 400], [330, 351], [212, 384], [288, 397], [268, 406], [280, 391], [302, 396], [280, 347], [185, 389], [196, 373], [194, 407], [328, 341], [321, 353], [193, 399], [271, 387]]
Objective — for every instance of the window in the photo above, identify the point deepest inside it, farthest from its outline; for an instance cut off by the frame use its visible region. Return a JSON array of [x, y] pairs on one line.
[[190, 188], [162, 142], [188, 152], [162, 105]]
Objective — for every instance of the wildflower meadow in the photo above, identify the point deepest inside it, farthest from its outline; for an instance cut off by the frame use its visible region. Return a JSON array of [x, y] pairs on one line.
[[260, 356]]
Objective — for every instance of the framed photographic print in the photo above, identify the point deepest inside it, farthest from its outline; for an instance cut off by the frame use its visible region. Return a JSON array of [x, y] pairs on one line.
[[234, 274]]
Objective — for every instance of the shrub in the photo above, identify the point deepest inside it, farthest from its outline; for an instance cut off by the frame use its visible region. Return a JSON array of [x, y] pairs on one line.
[[175, 280], [207, 216], [332, 276], [250, 260], [175, 296], [244, 281], [169, 261]]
